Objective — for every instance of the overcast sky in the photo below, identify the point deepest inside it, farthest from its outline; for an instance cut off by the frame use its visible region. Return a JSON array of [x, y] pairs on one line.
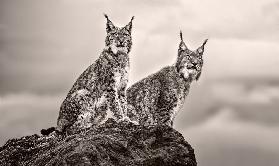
[[45, 45]]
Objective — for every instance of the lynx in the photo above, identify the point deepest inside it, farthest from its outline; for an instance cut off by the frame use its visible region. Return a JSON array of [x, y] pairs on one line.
[[99, 92], [157, 98]]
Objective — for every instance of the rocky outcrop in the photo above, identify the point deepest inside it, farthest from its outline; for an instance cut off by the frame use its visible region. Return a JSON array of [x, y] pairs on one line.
[[110, 144]]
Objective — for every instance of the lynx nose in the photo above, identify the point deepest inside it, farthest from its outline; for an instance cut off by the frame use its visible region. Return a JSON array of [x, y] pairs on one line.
[[190, 66], [120, 42], [195, 62]]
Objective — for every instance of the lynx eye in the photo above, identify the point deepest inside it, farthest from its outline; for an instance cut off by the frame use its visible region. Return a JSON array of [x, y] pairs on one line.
[[111, 37]]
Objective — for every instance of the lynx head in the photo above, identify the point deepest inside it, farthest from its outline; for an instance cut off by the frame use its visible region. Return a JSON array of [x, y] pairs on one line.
[[119, 39], [189, 63]]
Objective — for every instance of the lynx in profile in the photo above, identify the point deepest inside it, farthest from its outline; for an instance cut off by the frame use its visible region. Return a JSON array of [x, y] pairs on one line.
[[157, 98], [99, 92]]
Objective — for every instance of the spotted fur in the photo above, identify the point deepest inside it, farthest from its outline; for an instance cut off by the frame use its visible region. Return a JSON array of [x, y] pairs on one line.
[[157, 98], [99, 92]]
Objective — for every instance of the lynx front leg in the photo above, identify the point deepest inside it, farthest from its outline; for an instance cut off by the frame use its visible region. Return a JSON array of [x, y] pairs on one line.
[[123, 100], [114, 105], [124, 104], [168, 108], [164, 117]]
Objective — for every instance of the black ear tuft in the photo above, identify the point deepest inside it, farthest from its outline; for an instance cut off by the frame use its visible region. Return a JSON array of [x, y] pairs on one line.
[[181, 37], [182, 45], [106, 16], [132, 18], [128, 27], [205, 41], [110, 25]]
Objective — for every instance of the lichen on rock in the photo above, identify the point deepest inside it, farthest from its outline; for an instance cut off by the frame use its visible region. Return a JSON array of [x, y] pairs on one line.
[[109, 144]]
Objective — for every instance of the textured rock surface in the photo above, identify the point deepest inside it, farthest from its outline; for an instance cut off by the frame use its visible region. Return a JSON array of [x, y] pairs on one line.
[[109, 144]]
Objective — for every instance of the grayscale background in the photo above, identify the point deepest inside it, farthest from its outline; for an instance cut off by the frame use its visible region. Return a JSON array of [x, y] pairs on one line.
[[231, 116]]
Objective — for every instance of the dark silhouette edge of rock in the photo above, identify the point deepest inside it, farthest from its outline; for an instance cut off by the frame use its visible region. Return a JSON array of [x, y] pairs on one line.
[[109, 144]]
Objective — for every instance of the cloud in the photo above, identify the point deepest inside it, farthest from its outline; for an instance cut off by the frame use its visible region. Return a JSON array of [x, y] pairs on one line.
[[241, 93], [249, 99], [271, 12], [39, 49], [27, 114], [241, 58], [44, 52], [224, 140], [232, 19]]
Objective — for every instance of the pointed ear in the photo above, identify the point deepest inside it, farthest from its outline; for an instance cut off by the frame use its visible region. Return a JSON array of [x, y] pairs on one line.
[[182, 45], [128, 27], [110, 25], [200, 50]]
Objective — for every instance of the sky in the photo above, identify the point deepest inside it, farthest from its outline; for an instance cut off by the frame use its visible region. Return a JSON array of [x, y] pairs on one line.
[[231, 115]]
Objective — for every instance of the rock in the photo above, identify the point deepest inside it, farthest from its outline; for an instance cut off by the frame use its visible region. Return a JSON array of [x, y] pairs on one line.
[[109, 144]]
